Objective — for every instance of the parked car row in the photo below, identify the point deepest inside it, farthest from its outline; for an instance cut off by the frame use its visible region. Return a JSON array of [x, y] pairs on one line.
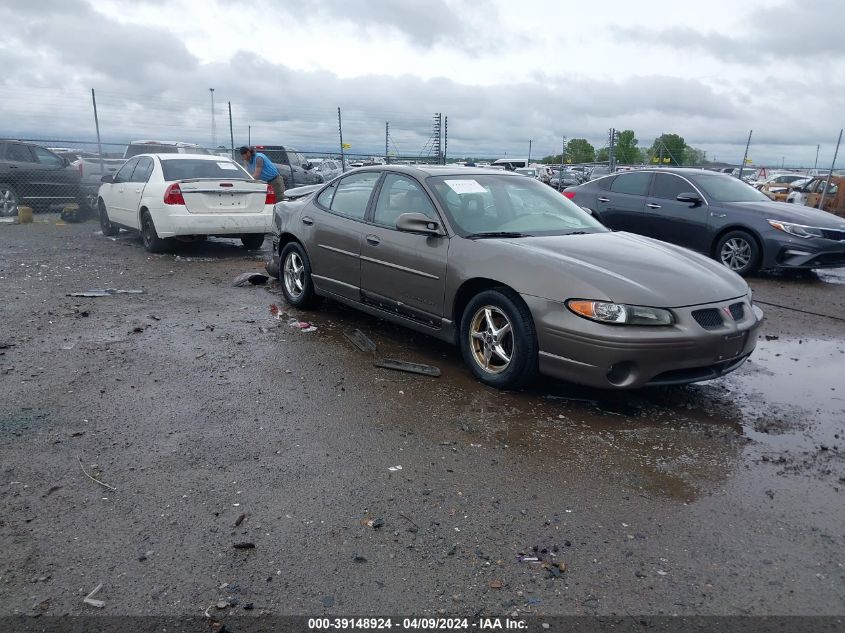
[[34, 176]]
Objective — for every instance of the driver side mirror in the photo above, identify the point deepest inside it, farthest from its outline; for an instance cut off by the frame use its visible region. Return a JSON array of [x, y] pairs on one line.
[[108, 178], [418, 223], [690, 197], [65, 161]]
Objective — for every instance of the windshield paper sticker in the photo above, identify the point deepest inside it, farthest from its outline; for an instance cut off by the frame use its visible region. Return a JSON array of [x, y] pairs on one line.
[[465, 185], [230, 166]]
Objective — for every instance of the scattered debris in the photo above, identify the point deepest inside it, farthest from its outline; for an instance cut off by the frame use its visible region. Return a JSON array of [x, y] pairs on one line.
[[200, 355], [89, 599], [496, 584], [328, 602], [222, 604], [374, 523], [103, 484], [246, 279], [244, 545], [359, 559], [360, 340], [413, 368], [772, 337], [106, 292], [276, 312], [393, 469], [240, 519], [310, 328]]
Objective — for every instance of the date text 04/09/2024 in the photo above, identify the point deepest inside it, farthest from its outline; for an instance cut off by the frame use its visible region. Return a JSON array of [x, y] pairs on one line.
[[376, 623]]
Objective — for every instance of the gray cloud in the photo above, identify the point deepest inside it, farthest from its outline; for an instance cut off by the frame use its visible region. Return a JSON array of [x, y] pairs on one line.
[[149, 85], [806, 30]]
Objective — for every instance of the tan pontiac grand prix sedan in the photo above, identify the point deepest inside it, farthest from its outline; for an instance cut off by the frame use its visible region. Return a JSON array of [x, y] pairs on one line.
[[523, 280]]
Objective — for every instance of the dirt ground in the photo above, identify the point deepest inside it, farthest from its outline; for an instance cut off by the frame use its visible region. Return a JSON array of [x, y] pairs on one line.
[[215, 424]]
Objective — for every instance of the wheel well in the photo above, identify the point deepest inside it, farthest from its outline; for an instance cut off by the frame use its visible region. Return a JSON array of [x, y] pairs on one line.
[[729, 229], [287, 238], [467, 291]]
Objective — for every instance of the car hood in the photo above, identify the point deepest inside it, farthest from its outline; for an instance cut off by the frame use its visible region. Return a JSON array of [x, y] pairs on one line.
[[793, 213], [628, 268]]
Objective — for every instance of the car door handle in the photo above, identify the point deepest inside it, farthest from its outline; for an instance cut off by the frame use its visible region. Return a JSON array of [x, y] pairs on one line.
[[372, 239], [307, 220], [651, 205], [604, 199], [717, 215]]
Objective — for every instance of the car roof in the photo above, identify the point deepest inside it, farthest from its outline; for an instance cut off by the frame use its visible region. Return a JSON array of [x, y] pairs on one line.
[[169, 156], [176, 143], [423, 171]]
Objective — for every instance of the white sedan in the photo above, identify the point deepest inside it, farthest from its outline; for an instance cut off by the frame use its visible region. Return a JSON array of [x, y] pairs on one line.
[[182, 195]]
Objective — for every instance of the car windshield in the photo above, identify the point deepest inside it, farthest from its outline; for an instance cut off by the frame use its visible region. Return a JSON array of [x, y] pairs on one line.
[[728, 189], [482, 204], [187, 168]]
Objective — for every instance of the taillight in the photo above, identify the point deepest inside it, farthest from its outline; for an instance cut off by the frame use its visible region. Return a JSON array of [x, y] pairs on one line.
[[271, 196], [569, 194], [173, 195]]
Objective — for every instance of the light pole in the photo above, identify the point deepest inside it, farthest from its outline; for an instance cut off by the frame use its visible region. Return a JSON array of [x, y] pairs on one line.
[[213, 122]]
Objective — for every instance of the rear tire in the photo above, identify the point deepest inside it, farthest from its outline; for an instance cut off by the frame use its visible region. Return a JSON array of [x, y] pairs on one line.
[[498, 339], [9, 201], [152, 242], [109, 229], [252, 241], [295, 277], [738, 251]]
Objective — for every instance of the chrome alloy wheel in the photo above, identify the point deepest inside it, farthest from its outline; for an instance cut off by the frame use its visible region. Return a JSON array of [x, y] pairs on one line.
[[735, 253], [491, 339], [294, 275]]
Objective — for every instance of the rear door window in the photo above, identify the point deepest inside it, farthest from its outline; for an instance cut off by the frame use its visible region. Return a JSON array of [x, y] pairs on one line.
[[634, 184], [19, 153], [353, 194]]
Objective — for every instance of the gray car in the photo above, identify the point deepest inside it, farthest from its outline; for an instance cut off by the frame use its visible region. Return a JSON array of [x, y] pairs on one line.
[[520, 278]]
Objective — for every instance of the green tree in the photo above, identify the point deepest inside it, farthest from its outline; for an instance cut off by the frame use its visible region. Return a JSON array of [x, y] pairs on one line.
[[627, 152], [603, 155], [580, 151], [695, 156], [671, 147]]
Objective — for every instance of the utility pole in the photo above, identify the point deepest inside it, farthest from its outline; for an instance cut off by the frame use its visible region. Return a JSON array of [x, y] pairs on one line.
[[611, 149], [745, 156], [340, 132], [249, 135], [830, 173], [213, 122], [386, 138], [437, 134], [816, 164], [560, 171], [97, 126], [231, 132], [445, 137], [528, 162]]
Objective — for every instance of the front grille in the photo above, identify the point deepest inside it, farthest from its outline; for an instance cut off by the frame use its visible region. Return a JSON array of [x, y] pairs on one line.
[[708, 318], [833, 234], [738, 311]]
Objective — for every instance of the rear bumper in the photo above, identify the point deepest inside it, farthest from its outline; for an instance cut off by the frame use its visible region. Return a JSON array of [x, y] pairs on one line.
[[176, 221], [624, 357]]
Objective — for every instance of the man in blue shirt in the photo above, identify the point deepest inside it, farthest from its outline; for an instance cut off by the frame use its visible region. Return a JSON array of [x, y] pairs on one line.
[[262, 168]]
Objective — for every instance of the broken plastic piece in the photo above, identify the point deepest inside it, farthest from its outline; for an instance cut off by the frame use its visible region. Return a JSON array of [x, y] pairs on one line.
[[360, 340], [414, 368], [245, 279], [89, 599], [393, 469], [105, 292]]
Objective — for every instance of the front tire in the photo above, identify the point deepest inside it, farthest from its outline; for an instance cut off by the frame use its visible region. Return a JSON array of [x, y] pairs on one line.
[[152, 242], [498, 339], [9, 201], [295, 277], [109, 229], [252, 241], [738, 251]]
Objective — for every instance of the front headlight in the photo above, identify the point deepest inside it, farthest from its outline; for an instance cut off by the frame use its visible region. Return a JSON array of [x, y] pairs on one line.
[[798, 230], [619, 314]]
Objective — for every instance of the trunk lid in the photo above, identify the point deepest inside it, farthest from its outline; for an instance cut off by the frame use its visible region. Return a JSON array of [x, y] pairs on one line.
[[223, 196]]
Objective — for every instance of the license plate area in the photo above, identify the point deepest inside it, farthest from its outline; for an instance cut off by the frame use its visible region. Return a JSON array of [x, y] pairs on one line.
[[732, 345]]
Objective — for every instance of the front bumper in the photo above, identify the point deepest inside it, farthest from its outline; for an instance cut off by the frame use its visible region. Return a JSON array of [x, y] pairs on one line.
[[624, 357], [796, 252]]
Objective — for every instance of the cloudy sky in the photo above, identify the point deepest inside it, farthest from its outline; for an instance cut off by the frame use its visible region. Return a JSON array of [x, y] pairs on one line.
[[503, 72]]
